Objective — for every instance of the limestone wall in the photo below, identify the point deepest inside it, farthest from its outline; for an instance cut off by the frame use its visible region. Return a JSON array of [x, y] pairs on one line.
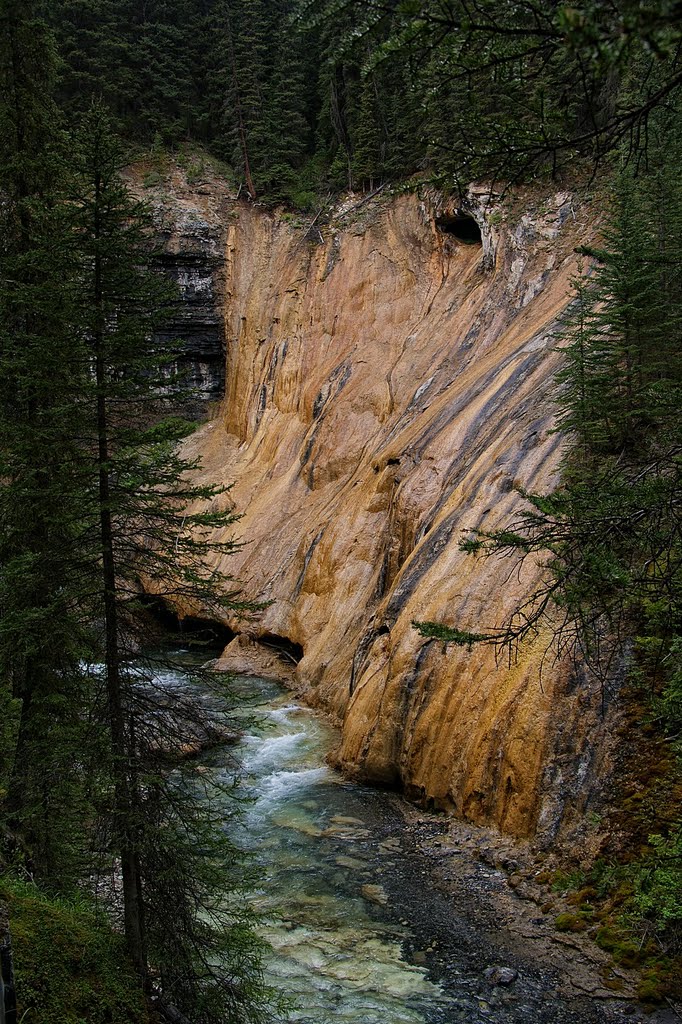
[[387, 389]]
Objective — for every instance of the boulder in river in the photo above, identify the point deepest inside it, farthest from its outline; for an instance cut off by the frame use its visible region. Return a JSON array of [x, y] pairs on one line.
[[500, 975]]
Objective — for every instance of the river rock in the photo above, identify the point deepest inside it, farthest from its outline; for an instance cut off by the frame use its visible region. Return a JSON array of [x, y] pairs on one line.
[[347, 819], [500, 975], [354, 863], [375, 894], [391, 845], [348, 832]]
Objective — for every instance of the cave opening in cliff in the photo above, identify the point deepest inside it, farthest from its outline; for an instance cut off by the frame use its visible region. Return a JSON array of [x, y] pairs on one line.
[[289, 649], [191, 630], [461, 226]]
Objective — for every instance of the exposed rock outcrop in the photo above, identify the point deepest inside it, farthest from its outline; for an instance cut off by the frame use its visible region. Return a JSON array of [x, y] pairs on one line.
[[190, 222], [387, 389]]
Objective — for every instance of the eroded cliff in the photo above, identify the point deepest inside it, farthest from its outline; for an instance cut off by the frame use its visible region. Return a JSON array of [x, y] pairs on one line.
[[189, 240], [387, 389]]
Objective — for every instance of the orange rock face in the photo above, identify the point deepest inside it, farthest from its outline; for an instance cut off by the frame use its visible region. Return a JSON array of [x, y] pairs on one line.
[[388, 388]]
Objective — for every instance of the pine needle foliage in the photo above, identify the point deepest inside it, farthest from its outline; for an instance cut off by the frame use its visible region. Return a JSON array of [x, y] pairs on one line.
[[41, 475], [95, 497], [348, 94]]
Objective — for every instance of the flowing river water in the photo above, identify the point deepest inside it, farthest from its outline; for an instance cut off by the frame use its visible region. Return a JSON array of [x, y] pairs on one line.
[[358, 932]]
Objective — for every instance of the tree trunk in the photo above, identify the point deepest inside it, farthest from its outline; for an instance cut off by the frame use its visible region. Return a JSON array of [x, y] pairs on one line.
[[126, 795]]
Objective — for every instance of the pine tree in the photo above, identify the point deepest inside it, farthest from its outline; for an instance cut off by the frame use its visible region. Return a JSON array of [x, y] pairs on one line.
[[146, 60], [93, 497], [151, 524], [98, 54], [41, 476], [239, 81], [284, 109], [369, 136]]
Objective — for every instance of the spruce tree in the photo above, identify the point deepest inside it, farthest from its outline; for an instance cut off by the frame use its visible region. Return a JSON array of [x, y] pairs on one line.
[[41, 471], [239, 81], [369, 147], [149, 523], [93, 498], [147, 61], [284, 112]]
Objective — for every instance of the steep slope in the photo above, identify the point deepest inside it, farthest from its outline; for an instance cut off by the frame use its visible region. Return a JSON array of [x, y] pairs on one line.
[[387, 390], [189, 226]]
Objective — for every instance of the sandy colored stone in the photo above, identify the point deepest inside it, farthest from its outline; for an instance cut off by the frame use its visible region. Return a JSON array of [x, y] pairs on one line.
[[374, 894], [387, 392], [244, 656]]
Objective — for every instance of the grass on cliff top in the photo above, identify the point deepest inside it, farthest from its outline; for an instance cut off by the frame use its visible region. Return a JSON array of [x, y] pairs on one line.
[[70, 968]]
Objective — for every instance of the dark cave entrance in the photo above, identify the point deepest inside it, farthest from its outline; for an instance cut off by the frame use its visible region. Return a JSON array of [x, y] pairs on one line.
[[166, 626], [461, 226], [283, 645]]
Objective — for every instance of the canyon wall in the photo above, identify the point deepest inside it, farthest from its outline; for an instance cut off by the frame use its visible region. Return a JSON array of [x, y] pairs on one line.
[[388, 389], [189, 222]]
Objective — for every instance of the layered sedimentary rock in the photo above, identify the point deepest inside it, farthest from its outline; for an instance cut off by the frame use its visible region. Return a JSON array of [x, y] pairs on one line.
[[388, 389], [189, 222]]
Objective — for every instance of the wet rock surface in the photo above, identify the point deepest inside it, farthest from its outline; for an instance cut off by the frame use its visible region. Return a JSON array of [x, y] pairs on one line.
[[389, 389], [195, 329]]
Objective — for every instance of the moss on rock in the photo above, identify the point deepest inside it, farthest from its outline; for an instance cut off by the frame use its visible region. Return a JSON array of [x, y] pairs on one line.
[[70, 967]]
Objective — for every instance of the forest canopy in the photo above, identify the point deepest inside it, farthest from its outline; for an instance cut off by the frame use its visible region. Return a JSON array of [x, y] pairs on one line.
[[305, 97]]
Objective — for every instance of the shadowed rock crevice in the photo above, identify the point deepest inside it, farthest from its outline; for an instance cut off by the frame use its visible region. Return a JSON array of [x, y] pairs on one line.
[[188, 629], [285, 647], [362, 651], [462, 226], [331, 389], [306, 562]]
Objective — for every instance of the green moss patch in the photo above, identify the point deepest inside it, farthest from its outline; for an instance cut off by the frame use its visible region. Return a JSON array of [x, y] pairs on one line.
[[655, 984], [70, 968], [570, 923]]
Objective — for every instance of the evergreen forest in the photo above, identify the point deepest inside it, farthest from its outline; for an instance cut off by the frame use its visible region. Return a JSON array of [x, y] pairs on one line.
[[299, 101]]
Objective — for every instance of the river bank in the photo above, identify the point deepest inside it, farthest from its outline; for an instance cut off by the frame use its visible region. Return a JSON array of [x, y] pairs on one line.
[[481, 879]]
